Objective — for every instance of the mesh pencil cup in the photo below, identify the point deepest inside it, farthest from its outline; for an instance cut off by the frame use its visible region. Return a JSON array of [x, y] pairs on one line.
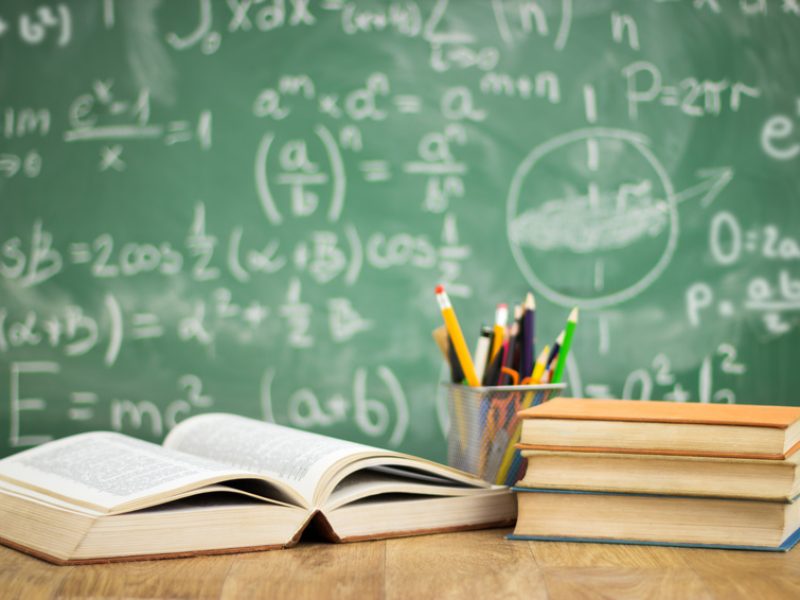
[[484, 427]]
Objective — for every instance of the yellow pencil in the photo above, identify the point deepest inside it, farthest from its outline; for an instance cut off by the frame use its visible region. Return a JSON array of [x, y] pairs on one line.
[[462, 354], [541, 363], [457, 337]]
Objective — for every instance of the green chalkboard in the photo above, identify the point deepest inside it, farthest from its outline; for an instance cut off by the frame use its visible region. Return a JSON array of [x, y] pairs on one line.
[[245, 206]]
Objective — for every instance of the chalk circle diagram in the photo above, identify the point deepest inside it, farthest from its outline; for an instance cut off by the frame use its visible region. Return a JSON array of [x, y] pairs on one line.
[[592, 217]]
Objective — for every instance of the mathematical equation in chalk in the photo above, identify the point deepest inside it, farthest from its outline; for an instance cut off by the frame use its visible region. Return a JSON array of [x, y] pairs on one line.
[[774, 298], [775, 301], [176, 195], [74, 331], [660, 380], [86, 405], [377, 405], [48, 23], [324, 255]]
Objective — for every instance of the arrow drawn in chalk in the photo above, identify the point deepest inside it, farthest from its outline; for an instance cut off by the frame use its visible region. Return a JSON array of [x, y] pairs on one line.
[[713, 182]]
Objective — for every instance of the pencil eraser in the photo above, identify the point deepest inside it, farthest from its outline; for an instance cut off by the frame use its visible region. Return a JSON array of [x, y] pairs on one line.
[[439, 288]]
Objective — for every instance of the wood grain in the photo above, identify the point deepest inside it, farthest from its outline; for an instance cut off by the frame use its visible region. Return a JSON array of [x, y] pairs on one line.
[[479, 564], [467, 565], [198, 577], [725, 562], [567, 554], [617, 583], [751, 584], [313, 571], [22, 576]]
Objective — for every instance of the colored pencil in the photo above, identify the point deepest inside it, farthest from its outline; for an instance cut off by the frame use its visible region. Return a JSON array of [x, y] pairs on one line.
[[554, 350], [569, 330], [541, 362], [505, 355]]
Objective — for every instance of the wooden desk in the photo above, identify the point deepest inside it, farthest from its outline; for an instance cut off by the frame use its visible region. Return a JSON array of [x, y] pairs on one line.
[[461, 565]]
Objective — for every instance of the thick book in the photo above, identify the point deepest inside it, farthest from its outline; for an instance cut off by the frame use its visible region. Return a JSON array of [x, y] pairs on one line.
[[605, 517], [672, 428], [759, 479], [223, 483]]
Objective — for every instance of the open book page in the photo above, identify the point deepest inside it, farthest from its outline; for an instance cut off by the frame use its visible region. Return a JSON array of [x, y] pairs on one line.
[[17, 490], [106, 471], [298, 458], [374, 482]]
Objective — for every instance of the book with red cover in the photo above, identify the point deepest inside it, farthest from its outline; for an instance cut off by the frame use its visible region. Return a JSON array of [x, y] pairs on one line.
[[671, 428]]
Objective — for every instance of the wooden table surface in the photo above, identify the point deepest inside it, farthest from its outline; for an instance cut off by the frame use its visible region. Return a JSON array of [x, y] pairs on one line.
[[467, 566]]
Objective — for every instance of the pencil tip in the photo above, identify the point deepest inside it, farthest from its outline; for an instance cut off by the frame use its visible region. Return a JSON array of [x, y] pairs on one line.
[[530, 301], [573, 316]]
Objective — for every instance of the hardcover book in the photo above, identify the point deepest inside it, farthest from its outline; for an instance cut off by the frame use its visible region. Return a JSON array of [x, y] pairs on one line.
[[223, 483], [671, 428], [562, 515], [757, 479]]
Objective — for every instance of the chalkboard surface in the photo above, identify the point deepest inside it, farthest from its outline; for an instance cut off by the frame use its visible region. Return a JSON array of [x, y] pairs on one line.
[[245, 206]]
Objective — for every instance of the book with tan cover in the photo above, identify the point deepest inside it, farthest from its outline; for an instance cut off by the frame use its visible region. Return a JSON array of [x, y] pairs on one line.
[[224, 483], [653, 519], [747, 478], [673, 428]]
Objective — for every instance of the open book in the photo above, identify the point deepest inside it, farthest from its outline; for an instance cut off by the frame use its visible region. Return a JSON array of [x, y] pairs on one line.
[[223, 483]]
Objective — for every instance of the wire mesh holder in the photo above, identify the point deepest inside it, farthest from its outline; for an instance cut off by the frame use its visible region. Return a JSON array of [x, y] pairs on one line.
[[484, 428]]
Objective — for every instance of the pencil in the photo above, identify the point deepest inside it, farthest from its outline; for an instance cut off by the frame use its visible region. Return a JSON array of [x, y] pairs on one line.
[[554, 350], [456, 374], [482, 352], [528, 331], [541, 362], [457, 337], [508, 358], [569, 330], [440, 337], [500, 321], [516, 359], [492, 375]]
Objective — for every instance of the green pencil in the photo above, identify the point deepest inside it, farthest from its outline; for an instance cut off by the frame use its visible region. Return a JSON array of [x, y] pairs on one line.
[[572, 321]]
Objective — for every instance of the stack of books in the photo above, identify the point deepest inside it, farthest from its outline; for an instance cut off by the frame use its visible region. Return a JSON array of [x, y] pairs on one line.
[[660, 473]]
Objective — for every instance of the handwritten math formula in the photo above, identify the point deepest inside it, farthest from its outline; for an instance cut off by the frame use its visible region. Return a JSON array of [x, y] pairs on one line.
[[246, 206]]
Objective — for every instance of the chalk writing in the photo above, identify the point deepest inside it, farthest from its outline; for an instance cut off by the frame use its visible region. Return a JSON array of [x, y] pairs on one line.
[[244, 205]]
